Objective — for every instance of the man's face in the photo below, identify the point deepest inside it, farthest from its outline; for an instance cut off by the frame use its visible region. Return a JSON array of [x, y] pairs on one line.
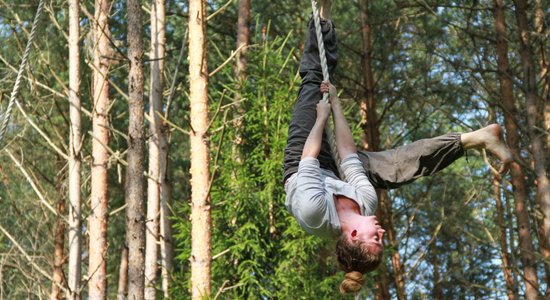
[[369, 232]]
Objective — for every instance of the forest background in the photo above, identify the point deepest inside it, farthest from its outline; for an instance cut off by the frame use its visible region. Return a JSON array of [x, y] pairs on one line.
[[187, 135]]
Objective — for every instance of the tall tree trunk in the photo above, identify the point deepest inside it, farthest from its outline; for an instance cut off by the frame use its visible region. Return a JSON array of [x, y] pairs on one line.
[[200, 174], [154, 180], [512, 139], [371, 142], [166, 242], [534, 121], [387, 220], [243, 36], [75, 236], [506, 267], [122, 288], [512, 240], [371, 133], [58, 277], [135, 212], [437, 293], [98, 219], [545, 97], [540, 29], [382, 283]]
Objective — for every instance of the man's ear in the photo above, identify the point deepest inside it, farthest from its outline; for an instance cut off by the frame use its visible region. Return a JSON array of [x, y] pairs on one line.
[[353, 235]]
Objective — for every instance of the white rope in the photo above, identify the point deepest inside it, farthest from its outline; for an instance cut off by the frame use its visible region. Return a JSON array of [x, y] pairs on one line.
[[320, 45], [324, 68], [15, 92]]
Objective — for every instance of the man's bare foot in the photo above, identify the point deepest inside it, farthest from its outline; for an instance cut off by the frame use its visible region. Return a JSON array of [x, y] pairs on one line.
[[325, 9], [489, 138]]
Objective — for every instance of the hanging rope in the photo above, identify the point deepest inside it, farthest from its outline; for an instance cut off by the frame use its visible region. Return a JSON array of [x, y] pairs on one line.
[[15, 92], [320, 45], [324, 68]]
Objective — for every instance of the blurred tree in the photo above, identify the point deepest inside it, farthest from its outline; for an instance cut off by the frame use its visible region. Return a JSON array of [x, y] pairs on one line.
[[98, 218]]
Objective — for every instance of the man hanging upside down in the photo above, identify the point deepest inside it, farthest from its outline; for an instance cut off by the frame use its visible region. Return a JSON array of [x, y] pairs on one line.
[[327, 206]]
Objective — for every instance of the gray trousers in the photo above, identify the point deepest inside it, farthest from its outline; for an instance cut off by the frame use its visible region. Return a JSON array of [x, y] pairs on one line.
[[385, 169]]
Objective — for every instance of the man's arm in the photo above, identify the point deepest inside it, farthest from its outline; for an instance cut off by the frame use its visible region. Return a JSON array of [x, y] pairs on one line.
[[342, 132], [309, 183], [312, 147]]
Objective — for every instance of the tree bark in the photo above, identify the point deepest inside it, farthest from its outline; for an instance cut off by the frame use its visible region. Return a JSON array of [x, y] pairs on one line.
[[371, 142], [135, 212], [166, 242], [59, 251], [540, 29], [122, 288], [437, 293], [75, 236], [534, 121], [387, 221], [545, 97], [200, 174], [158, 42], [512, 139], [506, 267], [371, 133], [243, 36], [382, 283], [98, 219]]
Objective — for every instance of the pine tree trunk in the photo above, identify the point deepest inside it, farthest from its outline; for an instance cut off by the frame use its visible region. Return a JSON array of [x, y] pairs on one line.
[[512, 139], [545, 96], [371, 133], [387, 221], [59, 251], [371, 142], [534, 121], [540, 29], [437, 293], [154, 180], [98, 219], [200, 175], [506, 267], [166, 242], [243, 35], [122, 288], [75, 236], [135, 212], [382, 283]]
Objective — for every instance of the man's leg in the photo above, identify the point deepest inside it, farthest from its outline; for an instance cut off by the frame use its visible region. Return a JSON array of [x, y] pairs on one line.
[[396, 167], [309, 95]]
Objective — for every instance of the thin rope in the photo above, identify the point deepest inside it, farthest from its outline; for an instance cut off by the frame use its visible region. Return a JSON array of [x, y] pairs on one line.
[[324, 68], [15, 92]]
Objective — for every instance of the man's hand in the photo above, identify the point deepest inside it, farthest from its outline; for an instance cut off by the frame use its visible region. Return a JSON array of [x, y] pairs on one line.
[[327, 87], [323, 110]]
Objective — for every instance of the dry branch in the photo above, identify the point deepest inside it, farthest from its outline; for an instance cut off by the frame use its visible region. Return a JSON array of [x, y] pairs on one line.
[[29, 258], [33, 184]]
